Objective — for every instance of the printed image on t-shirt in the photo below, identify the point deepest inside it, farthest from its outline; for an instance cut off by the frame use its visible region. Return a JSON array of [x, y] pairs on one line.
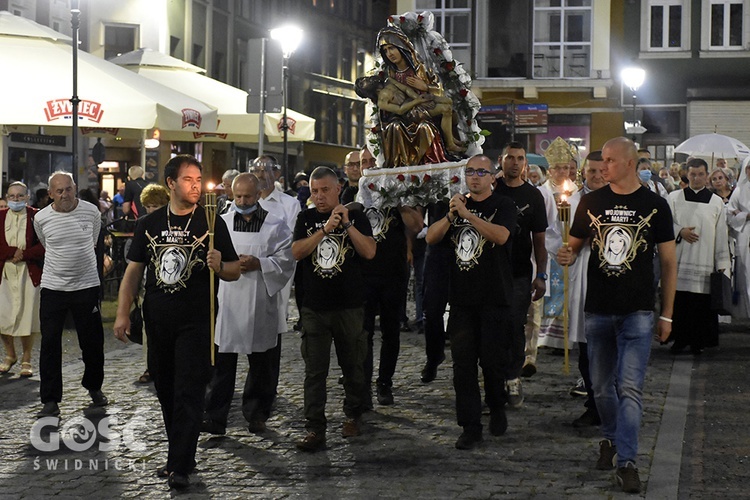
[[618, 241], [380, 222], [174, 260], [469, 244], [330, 255]]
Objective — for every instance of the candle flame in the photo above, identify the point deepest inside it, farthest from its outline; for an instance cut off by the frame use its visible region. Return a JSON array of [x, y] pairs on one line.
[[563, 198], [210, 186]]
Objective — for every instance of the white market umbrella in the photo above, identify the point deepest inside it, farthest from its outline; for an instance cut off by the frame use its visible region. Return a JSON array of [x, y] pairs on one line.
[[36, 86], [713, 145], [235, 124]]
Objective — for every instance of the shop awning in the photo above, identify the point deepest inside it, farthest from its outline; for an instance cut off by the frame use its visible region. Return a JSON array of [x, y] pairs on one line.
[[36, 87], [235, 124]]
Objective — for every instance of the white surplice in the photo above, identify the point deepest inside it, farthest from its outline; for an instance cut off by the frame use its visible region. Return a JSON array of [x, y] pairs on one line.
[[696, 261], [738, 211], [251, 310]]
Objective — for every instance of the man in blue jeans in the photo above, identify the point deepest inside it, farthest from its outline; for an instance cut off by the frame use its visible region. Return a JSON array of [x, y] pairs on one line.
[[624, 222]]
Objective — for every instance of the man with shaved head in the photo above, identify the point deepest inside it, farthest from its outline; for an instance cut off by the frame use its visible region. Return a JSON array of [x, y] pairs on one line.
[[624, 222], [479, 225], [251, 312]]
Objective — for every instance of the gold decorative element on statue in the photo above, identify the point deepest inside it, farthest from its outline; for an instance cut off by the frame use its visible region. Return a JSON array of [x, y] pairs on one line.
[[210, 208]]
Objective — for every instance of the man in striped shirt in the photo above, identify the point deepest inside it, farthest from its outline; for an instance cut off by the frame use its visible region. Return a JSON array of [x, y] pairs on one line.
[[68, 229]]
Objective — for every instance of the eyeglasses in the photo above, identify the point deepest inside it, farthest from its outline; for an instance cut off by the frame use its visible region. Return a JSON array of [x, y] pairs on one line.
[[16, 197], [481, 172]]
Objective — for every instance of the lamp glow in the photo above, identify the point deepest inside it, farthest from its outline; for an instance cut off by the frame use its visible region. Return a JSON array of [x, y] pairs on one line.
[[290, 38]]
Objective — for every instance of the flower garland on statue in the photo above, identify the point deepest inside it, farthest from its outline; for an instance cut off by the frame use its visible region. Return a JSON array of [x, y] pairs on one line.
[[436, 54]]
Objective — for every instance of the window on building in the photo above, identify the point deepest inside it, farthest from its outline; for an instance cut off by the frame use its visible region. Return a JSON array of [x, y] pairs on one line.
[[665, 25], [562, 38], [453, 21], [725, 28], [119, 39]]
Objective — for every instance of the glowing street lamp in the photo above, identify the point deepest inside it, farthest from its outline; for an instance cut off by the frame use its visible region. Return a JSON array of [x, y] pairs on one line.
[[290, 38], [633, 77]]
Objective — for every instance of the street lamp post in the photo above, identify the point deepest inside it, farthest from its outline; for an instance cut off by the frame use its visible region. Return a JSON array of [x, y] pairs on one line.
[[75, 13], [289, 37], [633, 77]]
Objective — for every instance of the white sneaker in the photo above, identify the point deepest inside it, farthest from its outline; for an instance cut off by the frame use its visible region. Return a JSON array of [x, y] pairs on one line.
[[515, 392]]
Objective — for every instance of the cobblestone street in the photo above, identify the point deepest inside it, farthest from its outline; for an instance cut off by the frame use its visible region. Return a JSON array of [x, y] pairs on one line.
[[406, 450]]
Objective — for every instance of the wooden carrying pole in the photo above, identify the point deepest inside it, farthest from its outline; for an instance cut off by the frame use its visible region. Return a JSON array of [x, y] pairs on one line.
[[210, 208], [563, 210]]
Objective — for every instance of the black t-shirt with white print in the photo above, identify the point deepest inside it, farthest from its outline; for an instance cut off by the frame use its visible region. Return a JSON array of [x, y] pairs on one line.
[[532, 218], [332, 273], [624, 231], [481, 271], [388, 231], [177, 276]]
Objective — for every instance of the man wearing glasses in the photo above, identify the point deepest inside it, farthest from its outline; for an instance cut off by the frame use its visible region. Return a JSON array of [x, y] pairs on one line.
[[353, 173], [479, 226]]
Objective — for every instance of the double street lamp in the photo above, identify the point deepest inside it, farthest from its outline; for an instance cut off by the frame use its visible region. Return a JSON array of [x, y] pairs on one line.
[[290, 37]]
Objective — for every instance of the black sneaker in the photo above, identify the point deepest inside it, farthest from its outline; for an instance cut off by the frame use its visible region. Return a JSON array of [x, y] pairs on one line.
[[627, 478], [528, 370], [498, 422], [213, 427], [607, 454], [178, 480], [589, 418], [468, 440], [50, 409], [385, 395], [98, 398], [579, 389]]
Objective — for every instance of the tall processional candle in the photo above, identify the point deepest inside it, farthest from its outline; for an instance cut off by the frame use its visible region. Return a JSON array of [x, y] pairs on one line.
[[563, 211], [210, 208]]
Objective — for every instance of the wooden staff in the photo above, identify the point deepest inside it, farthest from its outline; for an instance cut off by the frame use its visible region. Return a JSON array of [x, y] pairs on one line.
[[210, 208], [563, 210]]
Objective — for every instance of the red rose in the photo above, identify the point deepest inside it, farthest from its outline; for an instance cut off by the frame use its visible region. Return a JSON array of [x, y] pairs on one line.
[[371, 186], [375, 130], [449, 66], [414, 178], [390, 19], [426, 178], [420, 18], [455, 179], [437, 51], [463, 92], [402, 19], [401, 177], [469, 122], [381, 75]]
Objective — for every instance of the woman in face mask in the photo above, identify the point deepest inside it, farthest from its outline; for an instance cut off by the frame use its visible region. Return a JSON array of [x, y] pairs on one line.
[[20, 256], [646, 175]]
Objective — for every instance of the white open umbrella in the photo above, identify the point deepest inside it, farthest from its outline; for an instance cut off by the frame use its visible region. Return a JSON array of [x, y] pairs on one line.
[[713, 145], [235, 124], [36, 87]]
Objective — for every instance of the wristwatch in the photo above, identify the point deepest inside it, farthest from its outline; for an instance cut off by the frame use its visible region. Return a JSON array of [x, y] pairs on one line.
[[347, 225], [542, 276]]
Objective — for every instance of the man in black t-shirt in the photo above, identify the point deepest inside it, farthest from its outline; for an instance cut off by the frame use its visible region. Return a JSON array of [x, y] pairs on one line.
[[528, 241], [329, 246], [386, 278], [131, 206], [625, 223], [479, 226], [172, 244]]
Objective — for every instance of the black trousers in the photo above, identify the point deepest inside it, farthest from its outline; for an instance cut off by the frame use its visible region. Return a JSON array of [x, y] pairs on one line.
[[181, 370], [519, 311], [383, 294], [583, 367], [53, 309], [479, 335], [260, 385], [436, 293]]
